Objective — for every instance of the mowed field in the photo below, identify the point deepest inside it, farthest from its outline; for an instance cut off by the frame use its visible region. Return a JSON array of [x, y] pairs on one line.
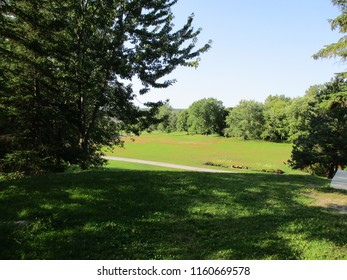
[[135, 211], [196, 150]]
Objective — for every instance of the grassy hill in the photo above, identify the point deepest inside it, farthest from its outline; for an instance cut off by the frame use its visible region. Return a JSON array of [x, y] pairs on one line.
[[134, 211], [134, 214]]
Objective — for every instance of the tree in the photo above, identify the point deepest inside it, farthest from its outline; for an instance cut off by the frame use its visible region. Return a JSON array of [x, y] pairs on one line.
[[206, 116], [246, 120], [324, 148], [167, 119], [68, 67], [172, 121], [182, 121], [276, 118], [35, 129], [338, 49], [299, 112]]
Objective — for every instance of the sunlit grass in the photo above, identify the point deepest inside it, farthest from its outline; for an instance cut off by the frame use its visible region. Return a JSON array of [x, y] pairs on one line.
[[195, 150]]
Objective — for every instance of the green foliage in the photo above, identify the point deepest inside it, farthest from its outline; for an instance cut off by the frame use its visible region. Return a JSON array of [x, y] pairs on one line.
[[324, 147], [246, 120], [276, 118], [206, 116], [66, 68], [182, 121], [167, 119], [29, 162], [337, 49], [299, 112]]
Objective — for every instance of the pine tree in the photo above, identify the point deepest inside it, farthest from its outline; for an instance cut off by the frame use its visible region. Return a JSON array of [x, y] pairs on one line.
[[338, 49]]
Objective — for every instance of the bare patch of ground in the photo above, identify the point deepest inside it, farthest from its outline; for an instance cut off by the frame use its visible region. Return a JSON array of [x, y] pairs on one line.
[[333, 201]]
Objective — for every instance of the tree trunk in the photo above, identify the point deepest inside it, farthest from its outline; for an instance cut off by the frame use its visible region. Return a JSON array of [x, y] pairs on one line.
[[83, 163], [332, 170]]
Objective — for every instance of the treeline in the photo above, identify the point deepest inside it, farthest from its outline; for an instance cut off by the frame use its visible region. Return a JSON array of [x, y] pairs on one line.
[[278, 119], [315, 123], [206, 116]]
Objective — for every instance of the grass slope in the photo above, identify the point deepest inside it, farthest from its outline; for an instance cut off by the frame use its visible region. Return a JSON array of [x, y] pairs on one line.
[[195, 150], [133, 214]]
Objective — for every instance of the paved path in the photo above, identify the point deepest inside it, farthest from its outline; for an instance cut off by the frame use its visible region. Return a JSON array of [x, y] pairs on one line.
[[170, 165]]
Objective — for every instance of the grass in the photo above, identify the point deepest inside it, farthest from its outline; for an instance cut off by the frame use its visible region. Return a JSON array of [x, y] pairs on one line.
[[134, 211], [196, 150], [152, 214]]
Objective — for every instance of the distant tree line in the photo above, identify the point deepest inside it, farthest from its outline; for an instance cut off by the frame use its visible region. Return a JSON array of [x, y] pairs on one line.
[[278, 119], [316, 123]]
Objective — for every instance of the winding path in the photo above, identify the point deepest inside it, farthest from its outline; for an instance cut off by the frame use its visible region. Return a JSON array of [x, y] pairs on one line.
[[169, 165]]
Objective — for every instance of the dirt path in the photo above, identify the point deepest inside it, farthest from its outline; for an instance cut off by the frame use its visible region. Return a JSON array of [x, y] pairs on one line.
[[170, 165]]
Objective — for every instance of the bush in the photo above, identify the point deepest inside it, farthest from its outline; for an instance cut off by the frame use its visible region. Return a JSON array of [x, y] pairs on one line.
[[316, 169], [30, 163]]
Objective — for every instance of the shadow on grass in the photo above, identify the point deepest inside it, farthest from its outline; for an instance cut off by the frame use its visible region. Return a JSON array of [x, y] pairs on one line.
[[119, 214]]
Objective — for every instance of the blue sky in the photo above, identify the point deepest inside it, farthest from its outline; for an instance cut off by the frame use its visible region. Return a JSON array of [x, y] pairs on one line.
[[259, 48]]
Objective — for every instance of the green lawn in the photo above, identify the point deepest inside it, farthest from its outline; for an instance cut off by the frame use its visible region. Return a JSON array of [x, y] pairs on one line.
[[151, 214], [134, 211], [196, 150]]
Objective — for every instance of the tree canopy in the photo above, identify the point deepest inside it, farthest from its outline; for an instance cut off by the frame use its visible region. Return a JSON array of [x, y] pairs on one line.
[[338, 49], [324, 148], [206, 116], [246, 120], [276, 126], [67, 69], [182, 121]]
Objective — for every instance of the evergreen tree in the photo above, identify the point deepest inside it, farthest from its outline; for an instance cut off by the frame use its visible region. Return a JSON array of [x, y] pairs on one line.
[[338, 49], [67, 69]]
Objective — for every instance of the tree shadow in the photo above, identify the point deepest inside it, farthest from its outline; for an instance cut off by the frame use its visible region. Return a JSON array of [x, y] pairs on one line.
[[123, 214]]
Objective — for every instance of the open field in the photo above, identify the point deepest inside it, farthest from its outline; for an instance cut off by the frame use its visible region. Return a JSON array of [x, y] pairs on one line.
[[196, 150], [133, 214], [135, 211]]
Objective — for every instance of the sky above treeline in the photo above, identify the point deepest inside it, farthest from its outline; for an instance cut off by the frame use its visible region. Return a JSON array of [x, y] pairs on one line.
[[259, 48]]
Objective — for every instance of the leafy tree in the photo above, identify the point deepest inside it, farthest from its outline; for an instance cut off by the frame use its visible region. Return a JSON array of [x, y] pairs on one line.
[[299, 112], [324, 147], [206, 116], [276, 118], [172, 122], [182, 121], [67, 67], [167, 119], [245, 120]]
